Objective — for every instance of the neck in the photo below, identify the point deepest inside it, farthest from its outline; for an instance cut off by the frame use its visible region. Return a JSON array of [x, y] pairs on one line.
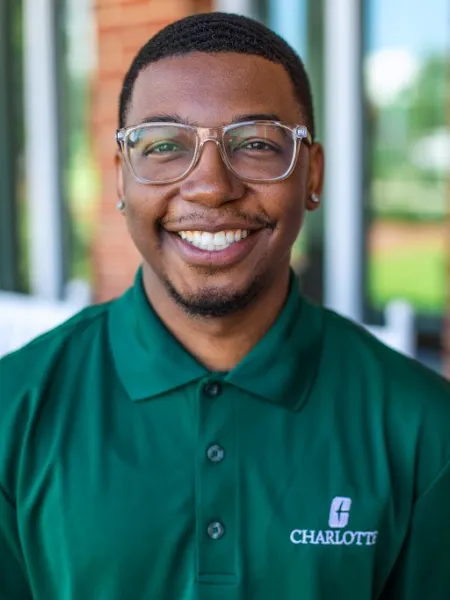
[[219, 344]]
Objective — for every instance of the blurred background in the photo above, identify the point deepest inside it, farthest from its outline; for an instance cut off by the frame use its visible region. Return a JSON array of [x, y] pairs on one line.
[[378, 251]]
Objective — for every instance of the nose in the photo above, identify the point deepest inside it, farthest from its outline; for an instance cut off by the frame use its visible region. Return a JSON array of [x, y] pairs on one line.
[[211, 182]]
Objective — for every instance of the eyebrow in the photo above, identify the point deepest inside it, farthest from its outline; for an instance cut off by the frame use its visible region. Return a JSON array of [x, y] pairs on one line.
[[255, 117], [175, 118], [166, 118]]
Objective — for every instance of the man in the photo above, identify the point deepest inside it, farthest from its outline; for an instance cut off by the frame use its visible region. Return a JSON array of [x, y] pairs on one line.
[[212, 434]]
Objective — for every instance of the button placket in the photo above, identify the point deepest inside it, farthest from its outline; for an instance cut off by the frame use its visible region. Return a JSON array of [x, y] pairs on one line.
[[216, 485]]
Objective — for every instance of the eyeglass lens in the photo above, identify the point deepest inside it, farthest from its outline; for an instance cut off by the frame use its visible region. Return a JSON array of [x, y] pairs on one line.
[[260, 151]]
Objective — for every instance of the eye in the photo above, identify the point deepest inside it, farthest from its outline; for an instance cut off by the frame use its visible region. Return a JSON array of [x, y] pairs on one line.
[[162, 148], [258, 145]]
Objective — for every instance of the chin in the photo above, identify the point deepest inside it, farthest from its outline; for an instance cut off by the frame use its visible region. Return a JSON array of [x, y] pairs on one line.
[[211, 299]]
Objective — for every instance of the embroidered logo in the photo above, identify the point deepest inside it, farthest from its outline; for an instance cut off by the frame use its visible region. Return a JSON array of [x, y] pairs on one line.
[[340, 512], [338, 520]]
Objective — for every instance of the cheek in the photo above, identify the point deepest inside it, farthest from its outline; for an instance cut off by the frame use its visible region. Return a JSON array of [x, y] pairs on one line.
[[292, 224], [145, 207], [287, 209], [143, 212]]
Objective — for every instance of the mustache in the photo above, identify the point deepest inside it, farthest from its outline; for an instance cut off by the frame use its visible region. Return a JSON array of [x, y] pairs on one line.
[[259, 220]]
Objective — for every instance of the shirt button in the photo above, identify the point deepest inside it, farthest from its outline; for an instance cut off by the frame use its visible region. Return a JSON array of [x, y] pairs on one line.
[[215, 453], [212, 389], [216, 530]]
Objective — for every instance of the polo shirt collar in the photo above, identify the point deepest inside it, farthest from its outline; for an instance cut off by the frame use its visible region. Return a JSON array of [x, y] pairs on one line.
[[150, 361]]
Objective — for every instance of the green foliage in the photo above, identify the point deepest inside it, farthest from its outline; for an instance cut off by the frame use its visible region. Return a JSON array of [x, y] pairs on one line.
[[401, 189], [428, 97], [414, 274]]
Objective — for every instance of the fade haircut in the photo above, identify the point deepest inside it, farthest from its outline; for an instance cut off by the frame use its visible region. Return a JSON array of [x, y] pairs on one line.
[[220, 32]]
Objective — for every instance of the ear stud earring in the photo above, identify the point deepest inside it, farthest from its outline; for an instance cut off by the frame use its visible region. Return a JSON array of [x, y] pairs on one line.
[[120, 205]]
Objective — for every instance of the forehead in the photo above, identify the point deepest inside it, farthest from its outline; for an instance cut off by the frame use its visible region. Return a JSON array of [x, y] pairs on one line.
[[212, 89]]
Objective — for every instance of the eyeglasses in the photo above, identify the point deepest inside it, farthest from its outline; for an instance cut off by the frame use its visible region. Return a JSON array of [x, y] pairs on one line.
[[255, 151]]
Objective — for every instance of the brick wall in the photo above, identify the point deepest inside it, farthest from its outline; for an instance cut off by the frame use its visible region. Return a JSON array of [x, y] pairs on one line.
[[123, 26]]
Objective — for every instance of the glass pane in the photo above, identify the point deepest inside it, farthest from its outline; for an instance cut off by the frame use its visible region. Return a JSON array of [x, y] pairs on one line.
[[260, 151], [407, 62], [161, 153], [406, 68], [80, 176]]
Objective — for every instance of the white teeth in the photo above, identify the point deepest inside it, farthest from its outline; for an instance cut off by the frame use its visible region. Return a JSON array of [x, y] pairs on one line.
[[220, 239], [207, 238], [213, 242]]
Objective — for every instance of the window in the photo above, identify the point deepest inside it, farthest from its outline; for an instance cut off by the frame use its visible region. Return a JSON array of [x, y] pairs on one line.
[[77, 66], [406, 86]]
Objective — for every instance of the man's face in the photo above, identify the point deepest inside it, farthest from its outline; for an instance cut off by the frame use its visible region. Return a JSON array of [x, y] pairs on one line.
[[209, 91]]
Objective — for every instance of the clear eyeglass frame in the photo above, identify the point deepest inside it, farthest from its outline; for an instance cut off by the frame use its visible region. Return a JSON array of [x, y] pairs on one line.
[[300, 135]]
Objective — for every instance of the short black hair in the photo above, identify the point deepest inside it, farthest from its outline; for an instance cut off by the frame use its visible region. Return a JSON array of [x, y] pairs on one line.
[[220, 32]]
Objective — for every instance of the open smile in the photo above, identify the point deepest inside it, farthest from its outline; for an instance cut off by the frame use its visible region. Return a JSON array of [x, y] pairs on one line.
[[220, 248]]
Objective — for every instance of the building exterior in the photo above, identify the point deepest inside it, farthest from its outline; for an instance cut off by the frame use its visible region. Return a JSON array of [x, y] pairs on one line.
[[383, 233]]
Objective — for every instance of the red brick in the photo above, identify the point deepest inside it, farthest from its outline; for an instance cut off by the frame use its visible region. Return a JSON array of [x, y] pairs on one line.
[[134, 38], [110, 53], [99, 4], [118, 16]]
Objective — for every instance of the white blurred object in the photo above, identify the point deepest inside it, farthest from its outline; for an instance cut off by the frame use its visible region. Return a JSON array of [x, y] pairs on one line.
[[432, 153], [389, 72], [240, 7], [22, 317], [78, 292], [398, 332], [42, 156], [344, 148]]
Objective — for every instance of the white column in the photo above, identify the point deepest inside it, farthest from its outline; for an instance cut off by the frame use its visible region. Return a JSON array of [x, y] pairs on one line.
[[42, 161], [288, 18], [343, 121], [240, 7]]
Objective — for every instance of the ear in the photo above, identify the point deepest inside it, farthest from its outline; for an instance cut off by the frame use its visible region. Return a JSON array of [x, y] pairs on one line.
[[120, 184], [316, 176]]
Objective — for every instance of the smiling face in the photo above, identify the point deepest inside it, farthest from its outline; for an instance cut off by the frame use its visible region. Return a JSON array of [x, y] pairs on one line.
[[213, 241]]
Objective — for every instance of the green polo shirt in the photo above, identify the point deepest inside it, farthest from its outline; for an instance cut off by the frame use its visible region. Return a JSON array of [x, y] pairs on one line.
[[317, 469]]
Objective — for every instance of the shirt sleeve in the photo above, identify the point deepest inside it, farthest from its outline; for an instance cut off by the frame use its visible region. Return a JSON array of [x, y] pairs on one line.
[[13, 581], [423, 568]]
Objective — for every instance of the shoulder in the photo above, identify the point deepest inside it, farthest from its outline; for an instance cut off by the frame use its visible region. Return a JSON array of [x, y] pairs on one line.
[[27, 373], [22, 368], [357, 349], [407, 403]]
